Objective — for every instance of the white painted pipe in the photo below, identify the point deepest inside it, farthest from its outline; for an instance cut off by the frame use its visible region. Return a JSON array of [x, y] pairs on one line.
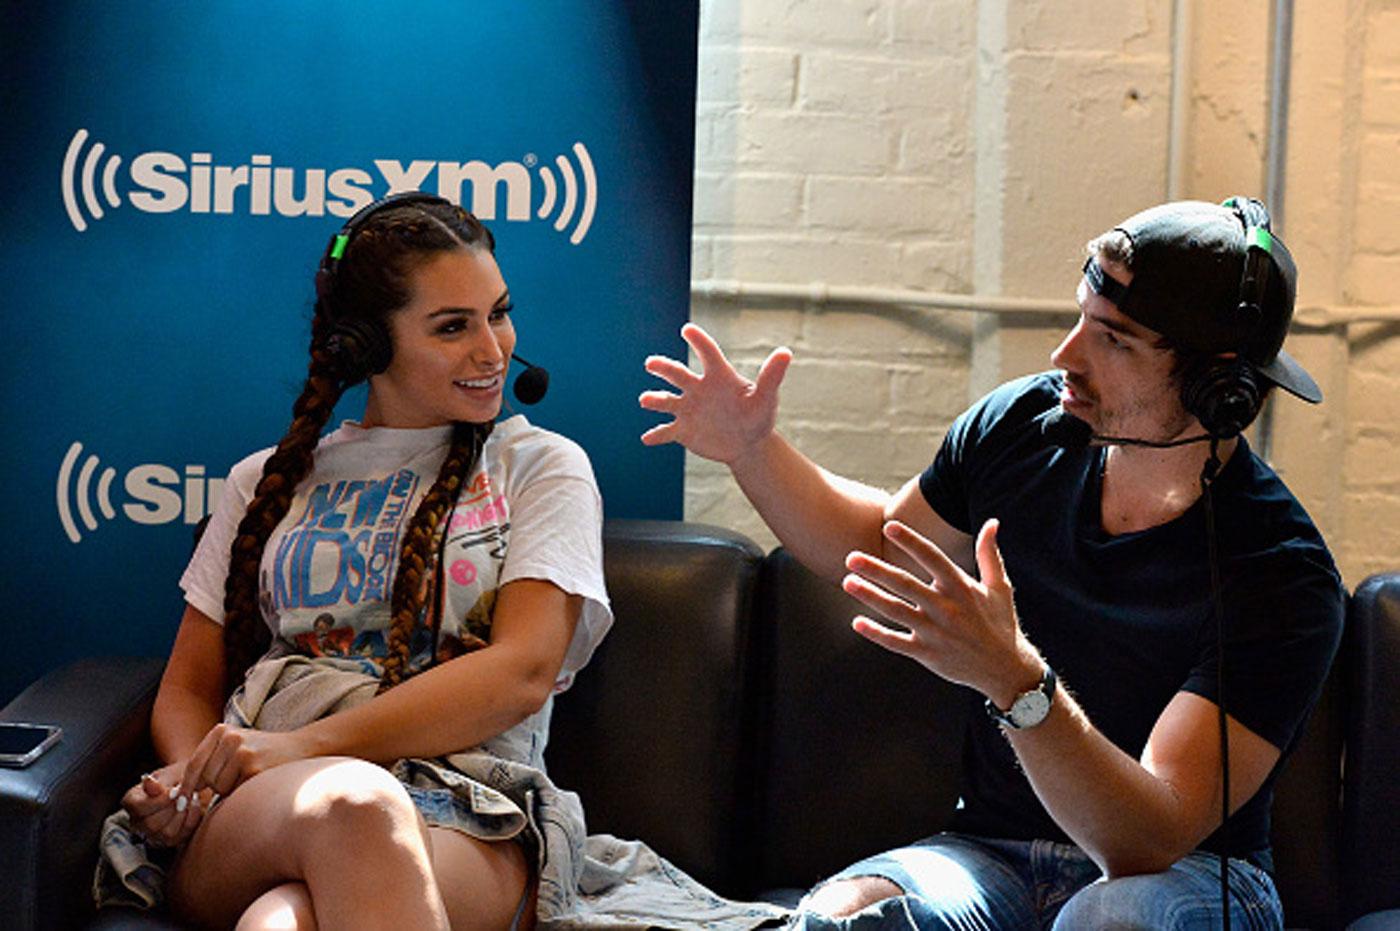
[[1280, 74], [819, 292], [1309, 317], [1179, 110], [1275, 193]]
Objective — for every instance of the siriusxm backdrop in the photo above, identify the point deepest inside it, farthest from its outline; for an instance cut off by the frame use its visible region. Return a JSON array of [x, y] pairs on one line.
[[173, 172]]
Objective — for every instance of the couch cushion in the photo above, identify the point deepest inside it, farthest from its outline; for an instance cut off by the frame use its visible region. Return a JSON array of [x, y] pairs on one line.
[[652, 734], [863, 747]]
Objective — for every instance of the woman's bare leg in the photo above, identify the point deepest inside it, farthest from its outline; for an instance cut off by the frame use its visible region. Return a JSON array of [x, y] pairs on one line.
[[481, 881], [284, 908], [343, 827]]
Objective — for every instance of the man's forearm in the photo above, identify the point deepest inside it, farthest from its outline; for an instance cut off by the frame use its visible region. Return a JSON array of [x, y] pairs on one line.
[[1126, 818], [818, 516]]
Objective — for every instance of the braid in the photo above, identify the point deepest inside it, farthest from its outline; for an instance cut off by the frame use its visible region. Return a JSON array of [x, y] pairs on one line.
[[246, 637], [369, 283], [411, 582]]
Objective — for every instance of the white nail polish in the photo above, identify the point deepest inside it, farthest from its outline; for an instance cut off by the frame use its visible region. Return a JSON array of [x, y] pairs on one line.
[[174, 791], [182, 803]]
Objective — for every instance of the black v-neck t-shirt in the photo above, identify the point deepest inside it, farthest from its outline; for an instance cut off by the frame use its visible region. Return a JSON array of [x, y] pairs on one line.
[[1126, 620]]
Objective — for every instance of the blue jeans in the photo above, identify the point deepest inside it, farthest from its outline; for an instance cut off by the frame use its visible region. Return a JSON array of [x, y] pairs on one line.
[[977, 884]]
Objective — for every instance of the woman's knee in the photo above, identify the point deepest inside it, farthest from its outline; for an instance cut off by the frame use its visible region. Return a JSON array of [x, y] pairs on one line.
[[359, 800], [284, 908], [323, 822]]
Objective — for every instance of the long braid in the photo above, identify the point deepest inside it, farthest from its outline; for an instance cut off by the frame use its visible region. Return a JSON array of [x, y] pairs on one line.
[[369, 284], [416, 561], [246, 637]]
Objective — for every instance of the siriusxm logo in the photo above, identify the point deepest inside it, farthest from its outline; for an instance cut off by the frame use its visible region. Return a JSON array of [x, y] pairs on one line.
[[158, 493], [166, 182]]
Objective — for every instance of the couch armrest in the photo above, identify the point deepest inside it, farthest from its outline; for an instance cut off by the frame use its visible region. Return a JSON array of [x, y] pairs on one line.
[[1371, 807], [51, 811]]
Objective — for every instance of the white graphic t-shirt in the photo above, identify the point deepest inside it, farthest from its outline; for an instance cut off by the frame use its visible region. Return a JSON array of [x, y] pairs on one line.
[[531, 509]]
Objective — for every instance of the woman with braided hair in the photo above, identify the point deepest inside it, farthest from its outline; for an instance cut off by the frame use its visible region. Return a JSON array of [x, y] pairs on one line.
[[354, 713]]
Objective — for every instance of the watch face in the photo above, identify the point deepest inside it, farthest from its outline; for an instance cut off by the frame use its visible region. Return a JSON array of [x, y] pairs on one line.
[[1029, 709]]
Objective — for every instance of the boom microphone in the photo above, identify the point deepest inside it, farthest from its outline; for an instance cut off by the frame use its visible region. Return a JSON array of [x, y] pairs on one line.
[[1067, 431], [531, 384]]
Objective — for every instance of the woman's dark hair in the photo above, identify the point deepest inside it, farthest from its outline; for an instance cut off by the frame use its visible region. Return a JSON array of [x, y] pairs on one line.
[[369, 284]]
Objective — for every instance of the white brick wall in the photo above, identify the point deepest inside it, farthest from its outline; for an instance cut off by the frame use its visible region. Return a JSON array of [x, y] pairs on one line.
[[1372, 472], [890, 143], [834, 143]]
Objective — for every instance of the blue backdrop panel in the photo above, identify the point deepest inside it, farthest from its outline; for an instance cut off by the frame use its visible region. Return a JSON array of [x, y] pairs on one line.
[[174, 171]]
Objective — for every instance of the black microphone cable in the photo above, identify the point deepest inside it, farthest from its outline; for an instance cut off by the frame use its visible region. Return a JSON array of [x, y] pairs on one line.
[[1069, 432], [1208, 475], [1098, 440], [1063, 429]]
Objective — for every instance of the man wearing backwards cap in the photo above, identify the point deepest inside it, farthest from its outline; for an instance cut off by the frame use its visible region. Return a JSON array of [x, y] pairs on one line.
[[1082, 487]]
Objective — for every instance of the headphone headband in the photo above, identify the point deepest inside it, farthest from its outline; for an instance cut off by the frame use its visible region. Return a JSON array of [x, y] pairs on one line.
[[361, 348], [1258, 259], [341, 240]]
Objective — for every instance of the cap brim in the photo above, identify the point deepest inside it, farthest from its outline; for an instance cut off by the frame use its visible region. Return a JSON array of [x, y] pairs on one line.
[[1285, 372]]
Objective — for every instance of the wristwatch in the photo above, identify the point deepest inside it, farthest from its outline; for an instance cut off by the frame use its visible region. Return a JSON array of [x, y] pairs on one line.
[[1029, 708]]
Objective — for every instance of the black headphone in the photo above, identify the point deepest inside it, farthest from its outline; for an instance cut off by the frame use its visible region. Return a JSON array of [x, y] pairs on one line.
[[1225, 394], [361, 347]]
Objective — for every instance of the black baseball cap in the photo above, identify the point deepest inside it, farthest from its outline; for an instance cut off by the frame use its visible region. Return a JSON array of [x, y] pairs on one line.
[[1196, 272]]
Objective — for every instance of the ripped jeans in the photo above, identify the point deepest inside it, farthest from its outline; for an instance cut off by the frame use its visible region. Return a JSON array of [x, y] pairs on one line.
[[957, 882]]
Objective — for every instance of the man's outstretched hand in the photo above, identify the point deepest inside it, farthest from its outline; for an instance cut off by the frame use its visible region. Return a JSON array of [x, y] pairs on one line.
[[962, 628], [718, 414]]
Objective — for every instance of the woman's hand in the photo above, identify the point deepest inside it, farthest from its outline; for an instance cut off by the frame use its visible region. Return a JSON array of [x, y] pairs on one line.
[[718, 414], [229, 756], [159, 814]]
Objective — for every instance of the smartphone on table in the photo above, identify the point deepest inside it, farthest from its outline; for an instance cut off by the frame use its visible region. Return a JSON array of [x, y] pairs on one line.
[[22, 744]]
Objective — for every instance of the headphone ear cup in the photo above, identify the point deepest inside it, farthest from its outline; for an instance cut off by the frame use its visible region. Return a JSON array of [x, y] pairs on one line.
[[1223, 394], [359, 348]]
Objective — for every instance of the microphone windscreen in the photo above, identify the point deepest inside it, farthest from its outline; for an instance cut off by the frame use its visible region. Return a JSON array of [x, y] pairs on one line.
[[1065, 430], [531, 384]]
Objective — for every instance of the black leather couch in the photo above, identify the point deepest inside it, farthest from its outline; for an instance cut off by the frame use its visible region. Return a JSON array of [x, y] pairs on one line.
[[734, 722]]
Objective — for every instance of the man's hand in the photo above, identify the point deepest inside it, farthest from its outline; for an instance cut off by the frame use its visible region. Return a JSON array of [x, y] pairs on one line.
[[718, 414], [960, 628]]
